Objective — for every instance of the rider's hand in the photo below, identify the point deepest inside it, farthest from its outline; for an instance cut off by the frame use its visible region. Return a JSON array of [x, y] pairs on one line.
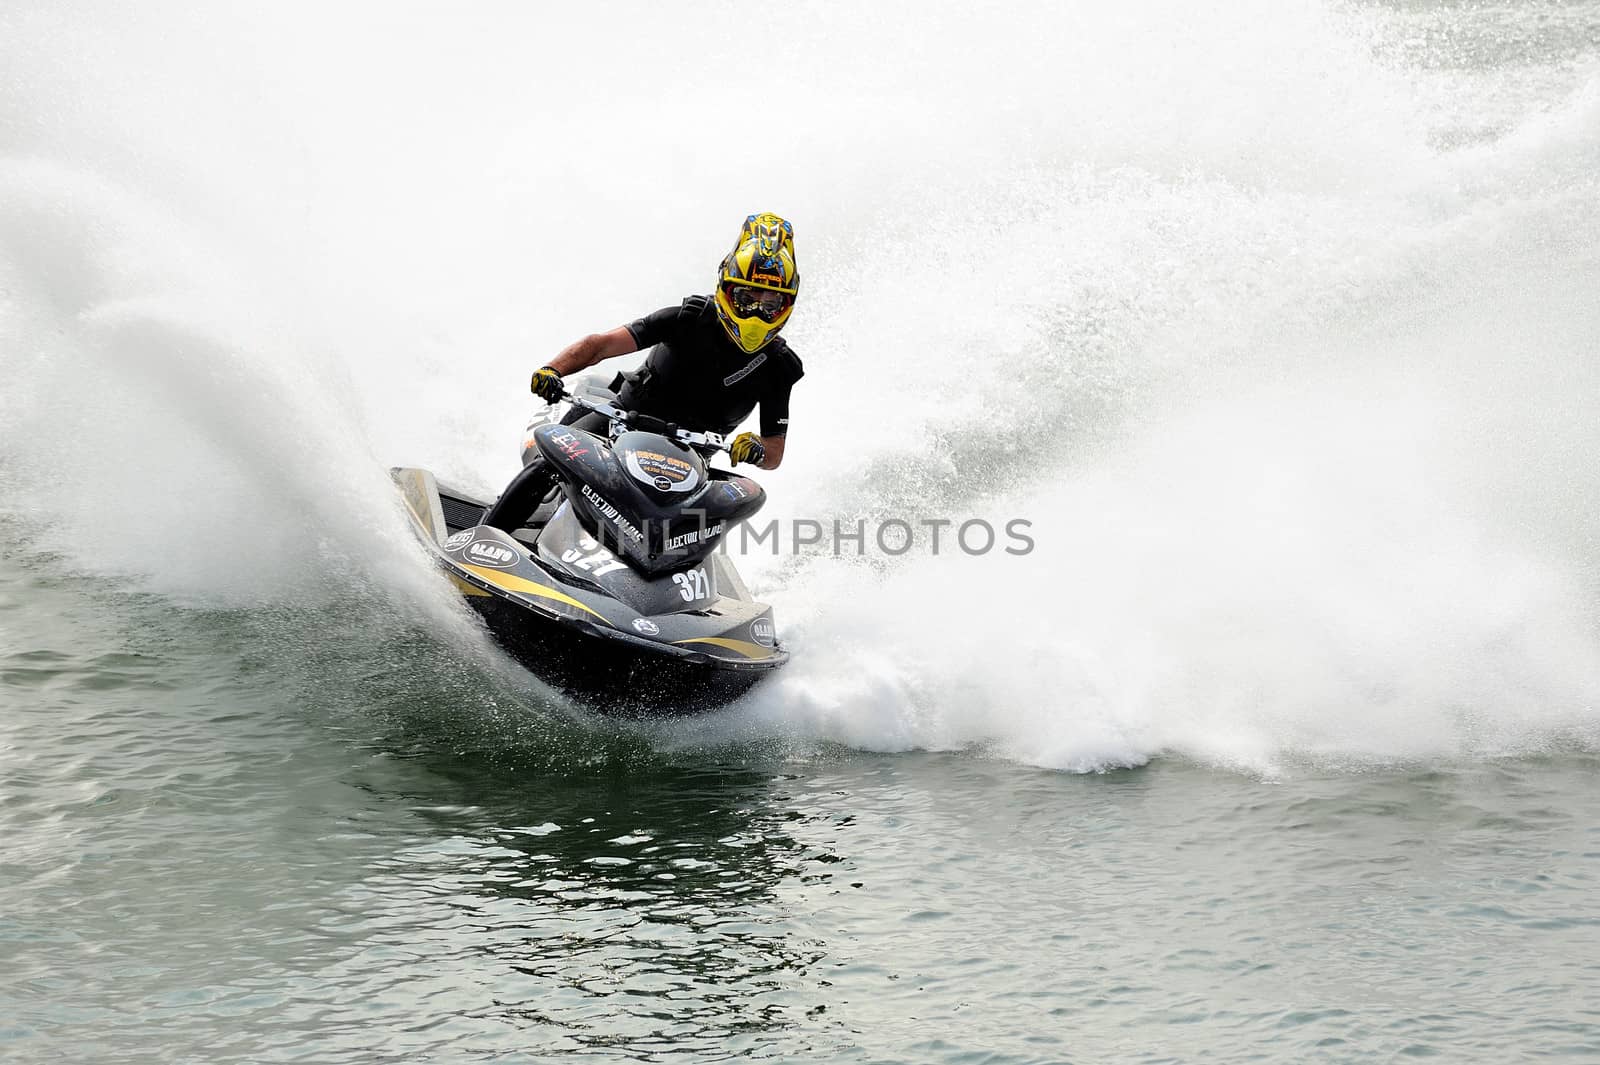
[[546, 384], [746, 447]]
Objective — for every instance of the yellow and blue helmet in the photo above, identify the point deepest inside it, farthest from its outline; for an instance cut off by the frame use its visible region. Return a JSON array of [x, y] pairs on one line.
[[758, 282]]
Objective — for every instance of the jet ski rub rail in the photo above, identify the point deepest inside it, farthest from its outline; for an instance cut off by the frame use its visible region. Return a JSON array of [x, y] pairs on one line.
[[491, 582]]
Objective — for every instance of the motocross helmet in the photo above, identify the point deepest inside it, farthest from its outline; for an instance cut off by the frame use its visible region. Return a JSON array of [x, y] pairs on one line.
[[758, 282]]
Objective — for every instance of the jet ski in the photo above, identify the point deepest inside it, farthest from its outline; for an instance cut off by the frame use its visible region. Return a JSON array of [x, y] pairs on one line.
[[615, 593]]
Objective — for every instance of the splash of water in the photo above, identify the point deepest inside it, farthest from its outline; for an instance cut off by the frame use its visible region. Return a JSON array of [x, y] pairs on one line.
[[1281, 347]]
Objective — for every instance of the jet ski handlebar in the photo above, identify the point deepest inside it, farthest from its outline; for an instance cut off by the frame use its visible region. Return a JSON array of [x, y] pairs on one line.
[[632, 419]]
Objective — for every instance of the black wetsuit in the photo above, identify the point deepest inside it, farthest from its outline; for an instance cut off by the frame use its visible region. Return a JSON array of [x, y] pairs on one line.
[[695, 375], [701, 379]]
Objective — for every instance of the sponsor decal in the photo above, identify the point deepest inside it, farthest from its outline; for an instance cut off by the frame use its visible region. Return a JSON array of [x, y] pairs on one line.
[[491, 553], [735, 489], [693, 536], [762, 632], [609, 511], [749, 368], [568, 443], [666, 473], [456, 540], [592, 558], [646, 626]]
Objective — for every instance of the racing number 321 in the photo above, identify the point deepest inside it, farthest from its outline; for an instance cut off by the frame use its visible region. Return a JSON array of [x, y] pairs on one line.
[[692, 585]]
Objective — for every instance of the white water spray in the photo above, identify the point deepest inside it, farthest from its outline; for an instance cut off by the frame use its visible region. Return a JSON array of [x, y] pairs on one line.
[[1283, 351]]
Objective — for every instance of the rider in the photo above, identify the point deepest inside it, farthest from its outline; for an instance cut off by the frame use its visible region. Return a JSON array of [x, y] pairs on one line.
[[714, 359]]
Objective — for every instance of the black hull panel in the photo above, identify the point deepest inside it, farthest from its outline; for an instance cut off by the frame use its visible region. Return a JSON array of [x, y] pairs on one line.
[[607, 674]]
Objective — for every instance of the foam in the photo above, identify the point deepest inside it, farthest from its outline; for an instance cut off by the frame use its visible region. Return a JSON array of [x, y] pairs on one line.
[[1292, 394]]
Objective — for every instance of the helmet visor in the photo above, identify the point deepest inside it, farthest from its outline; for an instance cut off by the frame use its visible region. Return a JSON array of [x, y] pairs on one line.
[[763, 303]]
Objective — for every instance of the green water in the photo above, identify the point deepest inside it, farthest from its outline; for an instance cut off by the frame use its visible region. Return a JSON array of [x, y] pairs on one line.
[[208, 858], [1277, 319]]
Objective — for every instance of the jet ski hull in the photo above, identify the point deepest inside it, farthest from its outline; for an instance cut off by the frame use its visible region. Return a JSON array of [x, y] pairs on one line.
[[610, 673], [658, 653]]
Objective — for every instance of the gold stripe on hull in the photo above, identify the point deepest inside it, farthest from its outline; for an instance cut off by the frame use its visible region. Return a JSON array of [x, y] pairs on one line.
[[512, 583], [744, 647], [466, 588]]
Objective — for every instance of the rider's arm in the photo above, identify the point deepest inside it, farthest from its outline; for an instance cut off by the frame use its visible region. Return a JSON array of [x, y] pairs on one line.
[[593, 348], [771, 452], [774, 425]]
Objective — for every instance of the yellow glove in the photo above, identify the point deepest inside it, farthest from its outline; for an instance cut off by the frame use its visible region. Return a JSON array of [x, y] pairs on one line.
[[546, 385], [746, 447]]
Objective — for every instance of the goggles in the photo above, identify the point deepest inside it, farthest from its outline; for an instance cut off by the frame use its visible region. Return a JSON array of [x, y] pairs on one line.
[[763, 303]]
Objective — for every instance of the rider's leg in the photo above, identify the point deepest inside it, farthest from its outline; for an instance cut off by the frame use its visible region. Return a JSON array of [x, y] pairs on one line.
[[530, 486], [522, 496]]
